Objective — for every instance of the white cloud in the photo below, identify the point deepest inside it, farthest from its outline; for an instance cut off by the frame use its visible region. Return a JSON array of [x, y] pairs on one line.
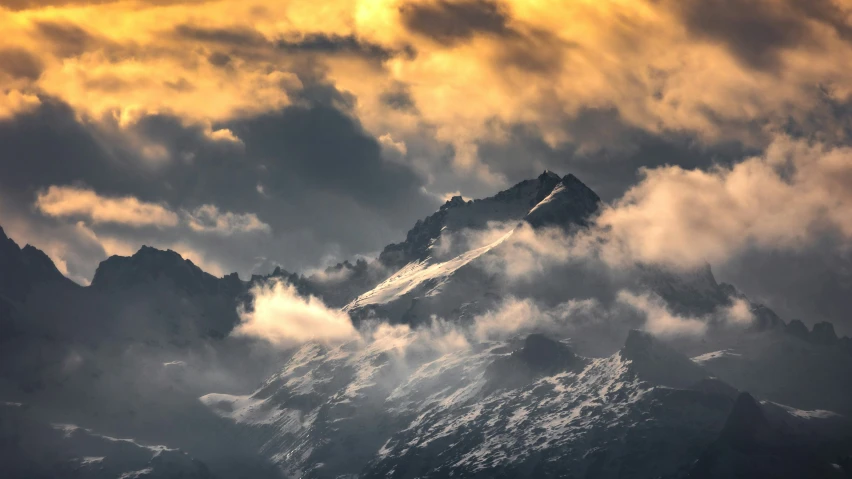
[[284, 318], [786, 198], [208, 219], [224, 135]]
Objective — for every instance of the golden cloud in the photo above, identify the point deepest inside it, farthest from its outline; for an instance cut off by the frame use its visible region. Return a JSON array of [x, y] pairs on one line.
[[467, 67], [70, 201]]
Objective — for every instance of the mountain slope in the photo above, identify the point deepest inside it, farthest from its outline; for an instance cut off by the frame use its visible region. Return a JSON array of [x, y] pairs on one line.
[[456, 215], [399, 408], [767, 440], [440, 279]]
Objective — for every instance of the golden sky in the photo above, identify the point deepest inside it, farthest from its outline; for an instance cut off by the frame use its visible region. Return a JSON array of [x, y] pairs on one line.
[[467, 67]]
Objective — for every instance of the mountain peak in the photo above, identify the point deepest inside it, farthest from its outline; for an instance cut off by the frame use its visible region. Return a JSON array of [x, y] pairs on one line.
[[149, 265], [548, 174], [569, 202], [20, 268], [510, 205], [453, 202], [823, 333]]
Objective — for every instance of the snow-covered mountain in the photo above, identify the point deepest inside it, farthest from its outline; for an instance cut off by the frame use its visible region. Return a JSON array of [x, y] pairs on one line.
[[527, 407], [569, 388]]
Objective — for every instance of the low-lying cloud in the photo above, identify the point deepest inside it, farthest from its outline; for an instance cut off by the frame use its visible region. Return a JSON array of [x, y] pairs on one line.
[[785, 199], [282, 317], [660, 321]]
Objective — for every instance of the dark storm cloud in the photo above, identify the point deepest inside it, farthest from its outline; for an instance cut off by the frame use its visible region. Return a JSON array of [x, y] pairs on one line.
[[66, 39], [310, 172], [345, 44], [236, 36], [449, 22], [399, 98], [320, 43], [757, 31], [296, 146], [219, 59], [19, 63], [606, 153]]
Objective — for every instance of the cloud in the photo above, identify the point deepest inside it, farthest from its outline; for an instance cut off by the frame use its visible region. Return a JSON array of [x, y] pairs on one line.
[[739, 312], [72, 201], [448, 22], [786, 199], [514, 316], [20, 63], [208, 219], [758, 31], [453, 72], [282, 317], [79, 202], [659, 320]]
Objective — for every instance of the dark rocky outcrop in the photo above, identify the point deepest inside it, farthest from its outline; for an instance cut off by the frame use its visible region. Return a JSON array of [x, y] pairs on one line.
[[754, 444], [657, 363], [23, 268], [570, 203], [540, 356], [798, 329], [823, 333]]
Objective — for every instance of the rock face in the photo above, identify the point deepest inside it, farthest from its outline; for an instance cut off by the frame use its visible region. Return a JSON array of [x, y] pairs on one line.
[[755, 443]]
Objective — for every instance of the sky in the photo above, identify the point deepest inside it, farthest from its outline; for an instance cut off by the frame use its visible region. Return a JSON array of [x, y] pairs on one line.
[[253, 133]]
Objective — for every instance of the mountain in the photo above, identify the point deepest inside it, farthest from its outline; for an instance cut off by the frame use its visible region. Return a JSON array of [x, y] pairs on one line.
[[768, 440], [568, 388], [434, 278], [492, 410], [32, 449], [786, 368], [22, 269], [457, 214]]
